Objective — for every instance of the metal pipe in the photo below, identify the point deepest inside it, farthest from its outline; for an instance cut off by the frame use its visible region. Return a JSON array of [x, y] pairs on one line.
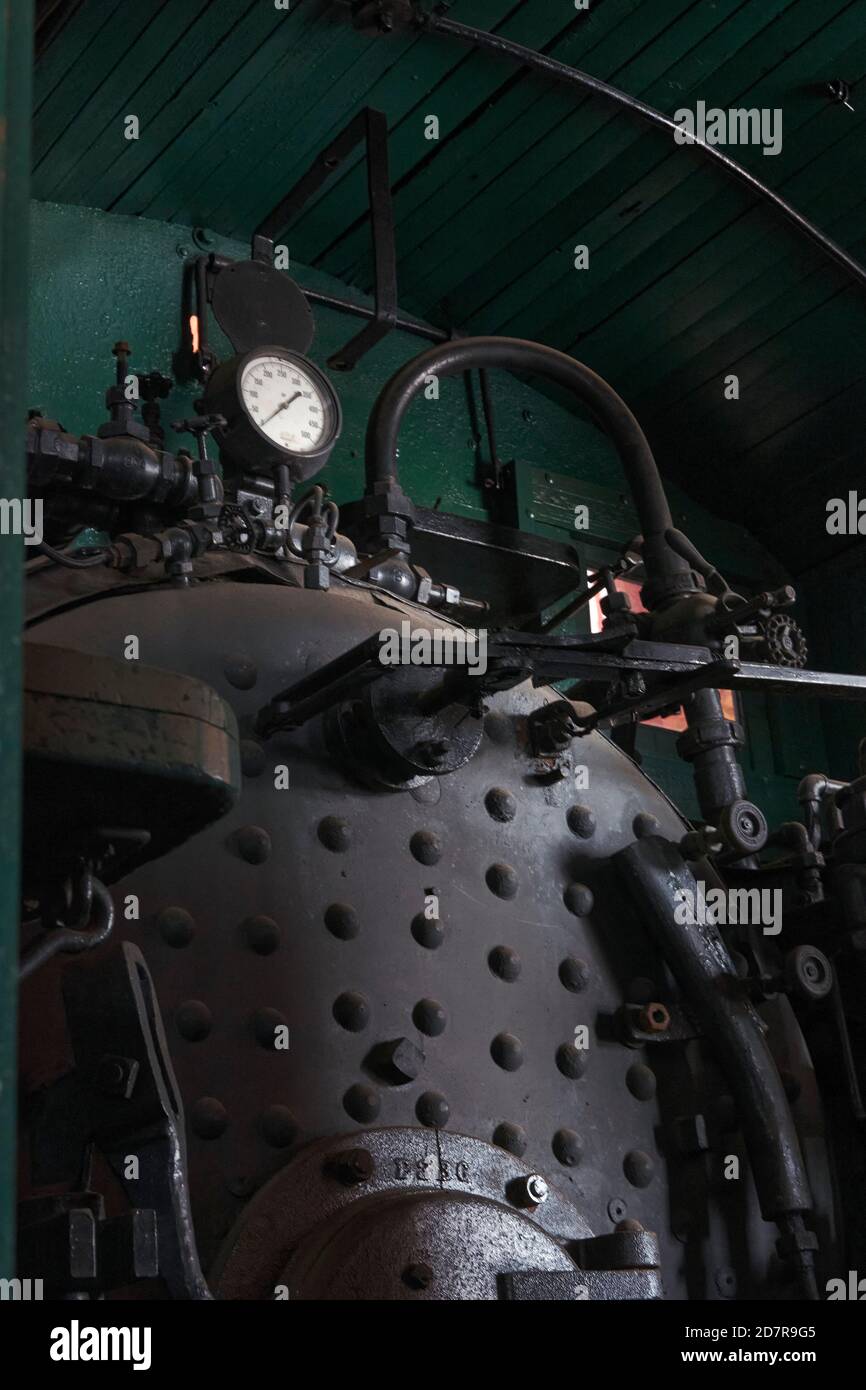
[[657, 880], [562, 72], [364, 311], [519, 355]]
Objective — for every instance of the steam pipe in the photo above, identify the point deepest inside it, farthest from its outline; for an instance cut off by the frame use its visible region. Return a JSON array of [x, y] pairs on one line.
[[669, 572], [654, 873]]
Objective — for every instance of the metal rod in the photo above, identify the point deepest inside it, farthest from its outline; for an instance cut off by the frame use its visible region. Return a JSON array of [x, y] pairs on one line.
[[562, 72], [364, 311]]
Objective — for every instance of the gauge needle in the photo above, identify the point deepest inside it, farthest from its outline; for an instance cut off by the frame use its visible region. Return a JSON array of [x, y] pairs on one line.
[[281, 407]]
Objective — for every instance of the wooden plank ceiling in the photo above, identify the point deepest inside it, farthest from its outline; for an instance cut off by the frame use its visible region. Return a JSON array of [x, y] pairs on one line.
[[689, 280]]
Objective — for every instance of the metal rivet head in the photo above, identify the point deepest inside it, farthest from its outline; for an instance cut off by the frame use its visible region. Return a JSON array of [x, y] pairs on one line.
[[362, 1103], [638, 1168], [429, 933], [252, 843], [208, 1118], [426, 847], [193, 1020], [567, 1147], [175, 926], [501, 804], [261, 934], [579, 899], [342, 921], [241, 674], [574, 973], [429, 1017], [351, 1011], [571, 1061], [510, 1137], [505, 963], [433, 1109], [507, 1051], [278, 1126], [335, 833], [502, 880]]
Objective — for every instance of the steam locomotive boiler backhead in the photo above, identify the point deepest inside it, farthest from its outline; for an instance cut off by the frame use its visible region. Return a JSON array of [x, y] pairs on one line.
[[409, 989]]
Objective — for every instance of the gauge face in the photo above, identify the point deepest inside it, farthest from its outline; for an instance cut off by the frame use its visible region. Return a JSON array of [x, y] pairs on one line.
[[288, 403]]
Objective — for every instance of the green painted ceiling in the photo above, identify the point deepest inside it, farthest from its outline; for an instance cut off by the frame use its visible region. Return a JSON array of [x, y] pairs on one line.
[[689, 280]]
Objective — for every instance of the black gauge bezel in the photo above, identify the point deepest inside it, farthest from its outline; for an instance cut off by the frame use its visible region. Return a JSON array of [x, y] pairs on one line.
[[242, 439]]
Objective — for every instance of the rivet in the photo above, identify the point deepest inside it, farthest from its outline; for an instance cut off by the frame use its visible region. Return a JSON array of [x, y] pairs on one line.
[[426, 847], [641, 1081], [433, 1109], [578, 899], [362, 1103], [335, 833], [644, 824], [351, 1011], [428, 932], [616, 1209], [252, 843], [208, 1118], [507, 1051], [193, 1020], [265, 1023], [571, 1061], [253, 758], [501, 804], [638, 1168], [505, 962], [261, 934], [176, 926], [278, 1126], [567, 1147], [502, 880], [429, 1017], [574, 973], [342, 921], [581, 821], [241, 674], [510, 1137]]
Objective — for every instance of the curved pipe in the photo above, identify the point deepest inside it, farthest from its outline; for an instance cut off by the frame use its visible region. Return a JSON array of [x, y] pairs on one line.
[[519, 355], [540, 62]]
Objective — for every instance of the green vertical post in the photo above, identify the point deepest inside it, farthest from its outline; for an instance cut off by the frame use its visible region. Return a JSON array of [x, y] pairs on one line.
[[16, 71]]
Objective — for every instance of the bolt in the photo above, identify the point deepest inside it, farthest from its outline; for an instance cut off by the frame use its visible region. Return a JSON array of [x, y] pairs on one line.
[[418, 1276], [654, 1018], [352, 1166], [530, 1191]]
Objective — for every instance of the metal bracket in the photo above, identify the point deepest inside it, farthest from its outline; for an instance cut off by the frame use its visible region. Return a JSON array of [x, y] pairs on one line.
[[371, 126]]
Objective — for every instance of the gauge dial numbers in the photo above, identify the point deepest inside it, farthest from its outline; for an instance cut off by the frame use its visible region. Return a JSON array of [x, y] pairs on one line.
[[278, 408], [286, 403]]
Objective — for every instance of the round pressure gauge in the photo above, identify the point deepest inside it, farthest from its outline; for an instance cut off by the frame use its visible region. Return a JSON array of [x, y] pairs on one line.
[[278, 407]]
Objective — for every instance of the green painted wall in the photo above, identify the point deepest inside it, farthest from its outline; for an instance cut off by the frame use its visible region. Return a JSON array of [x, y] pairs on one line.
[[97, 277]]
